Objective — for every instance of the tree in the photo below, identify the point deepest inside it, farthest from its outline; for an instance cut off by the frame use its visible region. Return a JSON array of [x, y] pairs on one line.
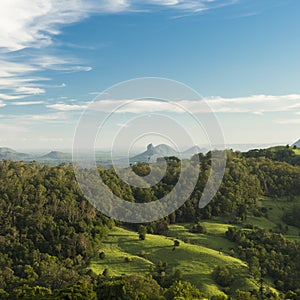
[[219, 297], [78, 291], [128, 288], [178, 275], [176, 244], [183, 290], [243, 295], [106, 272], [223, 276], [198, 228], [142, 231]]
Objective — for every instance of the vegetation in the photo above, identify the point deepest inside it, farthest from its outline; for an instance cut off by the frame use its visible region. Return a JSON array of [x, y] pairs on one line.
[[244, 244]]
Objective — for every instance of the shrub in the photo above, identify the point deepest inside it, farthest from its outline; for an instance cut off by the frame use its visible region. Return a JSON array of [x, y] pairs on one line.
[[128, 259], [223, 276]]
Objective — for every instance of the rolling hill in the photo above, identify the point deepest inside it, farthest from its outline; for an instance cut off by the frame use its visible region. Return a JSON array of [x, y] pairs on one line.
[[196, 259], [57, 155], [10, 154]]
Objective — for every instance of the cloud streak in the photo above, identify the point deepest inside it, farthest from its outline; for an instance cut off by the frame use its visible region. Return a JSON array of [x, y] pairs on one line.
[[256, 104], [66, 107]]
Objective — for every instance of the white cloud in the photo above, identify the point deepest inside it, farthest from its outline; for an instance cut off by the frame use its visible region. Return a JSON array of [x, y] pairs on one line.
[[10, 97], [47, 117], [17, 80], [2, 104], [123, 125], [33, 23], [256, 104], [29, 90], [9, 69], [23, 103], [289, 122], [66, 107]]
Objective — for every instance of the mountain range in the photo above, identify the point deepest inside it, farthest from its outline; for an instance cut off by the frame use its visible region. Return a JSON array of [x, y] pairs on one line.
[[163, 150], [104, 157], [10, 154], [53, 156]]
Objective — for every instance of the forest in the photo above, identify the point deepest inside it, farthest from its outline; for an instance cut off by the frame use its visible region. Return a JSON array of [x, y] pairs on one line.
[[50, 233]]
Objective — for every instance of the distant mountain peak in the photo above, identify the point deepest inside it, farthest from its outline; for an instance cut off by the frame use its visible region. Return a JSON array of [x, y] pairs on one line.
[[7, 150], [151, 150], [56, 155], [297, 144], [154, 152], [10, 154]]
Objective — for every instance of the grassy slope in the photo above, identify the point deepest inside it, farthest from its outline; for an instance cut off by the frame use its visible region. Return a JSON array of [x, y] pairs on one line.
[[197, 258], [196, 261], [276, 148], [297, 151], [276, 210]]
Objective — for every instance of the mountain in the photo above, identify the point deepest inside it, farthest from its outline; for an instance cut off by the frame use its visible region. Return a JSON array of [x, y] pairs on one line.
[[192, 151], [10, 154], [6, 150], [165, 150], [297, 144], [152, 153], [57, 155]]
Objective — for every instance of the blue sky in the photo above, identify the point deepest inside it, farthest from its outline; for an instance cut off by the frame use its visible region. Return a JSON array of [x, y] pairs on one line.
[[242, 56]]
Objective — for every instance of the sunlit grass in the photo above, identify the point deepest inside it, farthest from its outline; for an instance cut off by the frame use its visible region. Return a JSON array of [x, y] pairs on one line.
[[196, 261]]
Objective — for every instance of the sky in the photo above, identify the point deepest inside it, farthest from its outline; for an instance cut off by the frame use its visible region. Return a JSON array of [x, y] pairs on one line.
[[241, 56]]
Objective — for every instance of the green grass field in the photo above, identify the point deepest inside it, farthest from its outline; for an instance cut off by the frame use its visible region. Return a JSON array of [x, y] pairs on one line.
[[297, 151], [197, 261], [213, 239], [276, 210], [276, 148]]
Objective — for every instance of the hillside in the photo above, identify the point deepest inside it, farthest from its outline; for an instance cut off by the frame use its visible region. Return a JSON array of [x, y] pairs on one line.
[[198, 254], [196, 261], [52, 239], [6, 150], [57, 155], [10, 154]]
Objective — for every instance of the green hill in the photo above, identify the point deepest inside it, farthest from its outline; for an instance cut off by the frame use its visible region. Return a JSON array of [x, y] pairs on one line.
[[198, 254], [57, 155], [196, 261]]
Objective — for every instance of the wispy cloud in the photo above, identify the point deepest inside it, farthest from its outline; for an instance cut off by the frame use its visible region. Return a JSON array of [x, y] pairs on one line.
[[47, 117], [27, 90], [256, 104], [10, 97], [33, 24], [23, 103], [123, 125], [66, 107], [289, 122]]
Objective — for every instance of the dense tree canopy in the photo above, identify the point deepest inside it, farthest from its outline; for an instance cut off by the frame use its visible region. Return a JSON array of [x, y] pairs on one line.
[[49, 231]]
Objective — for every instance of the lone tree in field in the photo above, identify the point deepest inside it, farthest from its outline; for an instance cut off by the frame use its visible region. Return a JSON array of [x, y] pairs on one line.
[[176, 244], [102, 255], [142, 230]]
